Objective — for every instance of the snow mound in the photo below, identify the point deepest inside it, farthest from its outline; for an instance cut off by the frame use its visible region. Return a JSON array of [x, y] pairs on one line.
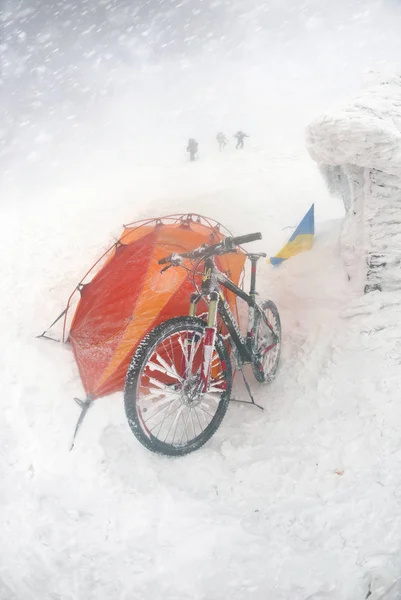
[[365, 132], [358, 149]]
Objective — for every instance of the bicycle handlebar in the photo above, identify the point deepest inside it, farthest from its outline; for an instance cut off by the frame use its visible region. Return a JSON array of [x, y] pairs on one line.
[[245, 239], [227, 245]]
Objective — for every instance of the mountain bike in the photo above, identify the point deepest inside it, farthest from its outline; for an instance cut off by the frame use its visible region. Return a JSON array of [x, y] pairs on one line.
[[179, 382]]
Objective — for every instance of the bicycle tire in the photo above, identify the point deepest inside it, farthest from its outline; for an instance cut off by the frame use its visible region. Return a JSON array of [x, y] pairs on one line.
[[137, 366], [263, 376]]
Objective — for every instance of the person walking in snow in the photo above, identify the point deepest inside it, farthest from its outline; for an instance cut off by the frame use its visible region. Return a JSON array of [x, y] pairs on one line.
[[192, 148], [240, 135], [221, 140]]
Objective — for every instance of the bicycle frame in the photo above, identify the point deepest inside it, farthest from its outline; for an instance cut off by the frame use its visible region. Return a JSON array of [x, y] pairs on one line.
[[211, 281]]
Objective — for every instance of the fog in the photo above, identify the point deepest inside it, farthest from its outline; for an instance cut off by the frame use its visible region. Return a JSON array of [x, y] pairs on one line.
[[97, 100], [87, 86]]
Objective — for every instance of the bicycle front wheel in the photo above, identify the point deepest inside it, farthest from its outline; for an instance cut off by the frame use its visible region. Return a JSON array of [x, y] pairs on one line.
[[165, 406]]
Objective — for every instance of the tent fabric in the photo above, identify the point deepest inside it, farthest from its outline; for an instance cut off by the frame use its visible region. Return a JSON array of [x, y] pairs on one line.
[[128, 295], [300, 241]]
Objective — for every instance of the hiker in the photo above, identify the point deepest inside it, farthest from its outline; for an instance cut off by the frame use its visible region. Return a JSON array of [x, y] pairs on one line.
[[192, 148], [221, 140], [240, 135]]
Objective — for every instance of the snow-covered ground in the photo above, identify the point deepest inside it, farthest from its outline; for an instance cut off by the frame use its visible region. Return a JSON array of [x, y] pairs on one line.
[[301, 501]]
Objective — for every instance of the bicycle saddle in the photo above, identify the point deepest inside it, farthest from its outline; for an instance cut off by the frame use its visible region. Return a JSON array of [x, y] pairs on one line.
[[254, 257]]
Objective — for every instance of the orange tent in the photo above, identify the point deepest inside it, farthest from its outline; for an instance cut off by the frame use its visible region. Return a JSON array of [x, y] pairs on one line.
[[128, 295]]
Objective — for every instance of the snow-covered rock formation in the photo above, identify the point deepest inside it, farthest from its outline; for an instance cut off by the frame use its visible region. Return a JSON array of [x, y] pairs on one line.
[[358, 149]]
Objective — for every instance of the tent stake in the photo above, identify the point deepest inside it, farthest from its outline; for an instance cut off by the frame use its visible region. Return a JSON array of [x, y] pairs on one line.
[[47, 337], [248, 389], [84, 404]]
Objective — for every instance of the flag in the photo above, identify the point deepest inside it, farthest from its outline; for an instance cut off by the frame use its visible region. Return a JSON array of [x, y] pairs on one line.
[[300, 241]]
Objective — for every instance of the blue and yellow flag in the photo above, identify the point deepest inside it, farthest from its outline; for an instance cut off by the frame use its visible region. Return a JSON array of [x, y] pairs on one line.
[[300, 241]]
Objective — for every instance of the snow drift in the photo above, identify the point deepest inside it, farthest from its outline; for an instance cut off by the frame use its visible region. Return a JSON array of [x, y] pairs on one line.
[[300, 501]]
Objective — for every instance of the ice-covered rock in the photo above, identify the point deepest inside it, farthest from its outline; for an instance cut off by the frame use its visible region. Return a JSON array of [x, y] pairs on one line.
[[358, 149]]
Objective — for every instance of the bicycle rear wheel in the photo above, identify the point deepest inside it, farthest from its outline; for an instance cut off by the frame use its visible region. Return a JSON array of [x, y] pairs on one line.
[[166, 409], [266, 342]]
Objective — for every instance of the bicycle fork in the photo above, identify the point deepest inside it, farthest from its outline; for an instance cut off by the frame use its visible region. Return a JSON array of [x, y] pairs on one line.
[[208, 340]]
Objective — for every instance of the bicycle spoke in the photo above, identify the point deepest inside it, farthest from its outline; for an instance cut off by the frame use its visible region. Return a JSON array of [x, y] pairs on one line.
[[184, 352], [164, 407], [170, 414], [159, 396], [169, 429], [170, 369], [215, 360], [269, 348], [202, 427], [162, 369], [176, 420], [159, 384], [197, 416], [215, 383], [185, 425], [193, 424], [167, 352], [205, 411], [162, 423], [172, 351], [210, 403]]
